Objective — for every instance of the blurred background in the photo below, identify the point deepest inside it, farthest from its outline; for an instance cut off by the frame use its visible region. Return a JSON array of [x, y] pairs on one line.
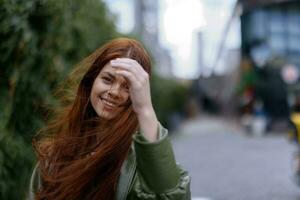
[[225, 83]]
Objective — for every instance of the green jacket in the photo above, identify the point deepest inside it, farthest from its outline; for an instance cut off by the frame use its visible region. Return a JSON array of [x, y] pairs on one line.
[[149, 172]]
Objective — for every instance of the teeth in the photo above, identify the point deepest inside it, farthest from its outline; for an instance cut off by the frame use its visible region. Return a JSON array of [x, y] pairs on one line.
[[109, 103]]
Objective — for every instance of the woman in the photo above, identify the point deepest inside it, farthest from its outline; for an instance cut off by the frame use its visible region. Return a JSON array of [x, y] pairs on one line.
[[106, 142]]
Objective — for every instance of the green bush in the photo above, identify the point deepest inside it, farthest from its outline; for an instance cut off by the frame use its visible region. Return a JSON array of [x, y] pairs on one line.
[[168, 96], [40, 41]]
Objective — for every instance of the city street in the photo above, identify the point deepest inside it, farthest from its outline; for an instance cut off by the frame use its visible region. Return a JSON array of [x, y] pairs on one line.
[[227, 164]]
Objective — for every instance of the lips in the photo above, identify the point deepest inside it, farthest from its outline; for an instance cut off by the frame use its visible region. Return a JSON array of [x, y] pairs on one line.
[[108, 103]]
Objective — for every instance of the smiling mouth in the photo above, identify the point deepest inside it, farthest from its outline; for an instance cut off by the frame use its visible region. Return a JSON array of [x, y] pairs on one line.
[[109, 104]]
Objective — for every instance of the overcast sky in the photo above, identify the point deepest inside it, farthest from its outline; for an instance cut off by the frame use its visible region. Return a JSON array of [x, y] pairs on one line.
[[179, 22]]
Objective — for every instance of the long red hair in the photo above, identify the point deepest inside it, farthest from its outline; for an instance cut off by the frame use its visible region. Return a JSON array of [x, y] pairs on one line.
[[64, 146]]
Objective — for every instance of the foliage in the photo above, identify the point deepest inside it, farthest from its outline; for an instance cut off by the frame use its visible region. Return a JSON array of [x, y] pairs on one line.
[[40, 41], [168, 97]]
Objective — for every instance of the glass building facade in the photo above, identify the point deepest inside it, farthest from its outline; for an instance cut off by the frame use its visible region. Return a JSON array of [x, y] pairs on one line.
[[272, 30]]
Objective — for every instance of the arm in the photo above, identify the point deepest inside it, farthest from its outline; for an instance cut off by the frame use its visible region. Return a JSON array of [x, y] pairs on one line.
[[158, 175], [140, 95]]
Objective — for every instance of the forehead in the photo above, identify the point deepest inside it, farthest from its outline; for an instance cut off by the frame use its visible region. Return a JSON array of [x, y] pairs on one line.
[[111, 72]]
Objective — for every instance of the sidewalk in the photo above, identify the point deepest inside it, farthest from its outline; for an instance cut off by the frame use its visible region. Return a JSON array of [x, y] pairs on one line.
[[227, 164], [208, 124]]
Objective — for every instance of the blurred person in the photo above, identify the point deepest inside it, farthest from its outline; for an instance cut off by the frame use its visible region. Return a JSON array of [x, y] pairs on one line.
[[296, 107], [273, 92], [105, 142], [246, 87]]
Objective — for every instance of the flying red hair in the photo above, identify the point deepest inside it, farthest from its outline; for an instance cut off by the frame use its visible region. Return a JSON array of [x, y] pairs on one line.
[[64, 145]]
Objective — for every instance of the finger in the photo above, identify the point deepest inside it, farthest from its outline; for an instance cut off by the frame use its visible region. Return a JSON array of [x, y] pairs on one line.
[[126, 66], [128, 76], [132, 62], [129, 60], [139, 74], [125, 60]]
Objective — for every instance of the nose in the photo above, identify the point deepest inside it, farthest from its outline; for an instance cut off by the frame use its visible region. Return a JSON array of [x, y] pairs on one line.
[[115, 90]]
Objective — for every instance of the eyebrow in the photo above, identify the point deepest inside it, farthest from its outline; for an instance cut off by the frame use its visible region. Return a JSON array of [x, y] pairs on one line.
[[109, 74]]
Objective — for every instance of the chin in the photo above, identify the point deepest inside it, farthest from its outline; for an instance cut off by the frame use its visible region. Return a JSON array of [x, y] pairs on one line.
[[106, 116]]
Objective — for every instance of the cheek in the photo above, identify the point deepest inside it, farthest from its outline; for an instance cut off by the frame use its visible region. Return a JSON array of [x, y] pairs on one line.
[[98, 87], [126, 96], [96, 90]]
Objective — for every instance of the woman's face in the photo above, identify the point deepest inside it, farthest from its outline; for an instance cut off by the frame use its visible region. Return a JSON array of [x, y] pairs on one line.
[[109, 93]]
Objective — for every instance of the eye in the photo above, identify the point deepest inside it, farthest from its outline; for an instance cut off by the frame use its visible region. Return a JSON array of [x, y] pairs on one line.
[[106, 79]]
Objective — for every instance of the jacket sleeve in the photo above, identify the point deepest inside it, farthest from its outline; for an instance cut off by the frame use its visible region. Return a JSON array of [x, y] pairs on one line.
[[158, 175]]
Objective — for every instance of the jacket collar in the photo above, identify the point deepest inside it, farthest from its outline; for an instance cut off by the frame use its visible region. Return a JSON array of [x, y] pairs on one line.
[[127, 175]]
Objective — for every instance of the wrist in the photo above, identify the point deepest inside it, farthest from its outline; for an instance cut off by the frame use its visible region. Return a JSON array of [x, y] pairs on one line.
[[147, 116], [148, 124], [145, 112]]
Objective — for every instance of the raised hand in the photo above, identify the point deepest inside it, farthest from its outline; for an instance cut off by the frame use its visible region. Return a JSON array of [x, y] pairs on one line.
[[139, 89]]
